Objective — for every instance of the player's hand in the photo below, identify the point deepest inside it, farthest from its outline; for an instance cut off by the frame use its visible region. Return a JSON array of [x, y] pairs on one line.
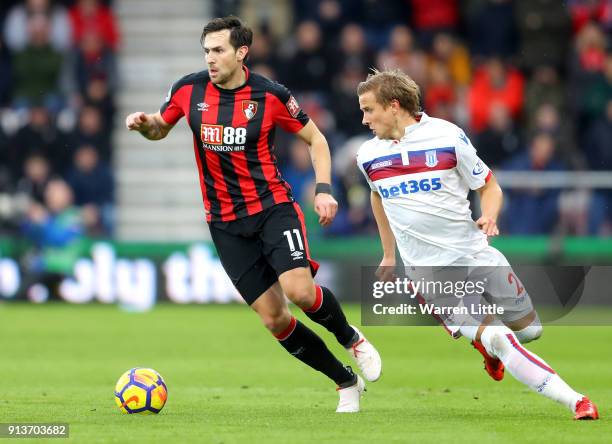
[[386, 270], [136, 121], [326, 207], [488, 226]]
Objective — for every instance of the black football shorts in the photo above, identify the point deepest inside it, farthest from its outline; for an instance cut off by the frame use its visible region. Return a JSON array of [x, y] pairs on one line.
[[255, 250]]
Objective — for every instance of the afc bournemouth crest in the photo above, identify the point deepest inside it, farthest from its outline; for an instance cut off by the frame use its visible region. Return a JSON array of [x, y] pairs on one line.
[[249, 108], [431, 159]]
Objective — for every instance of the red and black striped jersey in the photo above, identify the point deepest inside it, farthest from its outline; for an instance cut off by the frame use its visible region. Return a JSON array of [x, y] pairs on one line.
[[233, 135]]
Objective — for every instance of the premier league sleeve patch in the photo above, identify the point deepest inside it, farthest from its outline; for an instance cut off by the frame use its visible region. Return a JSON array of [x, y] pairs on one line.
[[293, 107], [478, 168]]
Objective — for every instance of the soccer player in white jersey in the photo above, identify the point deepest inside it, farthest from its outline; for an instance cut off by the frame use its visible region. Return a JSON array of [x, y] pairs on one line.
[[420, 170]]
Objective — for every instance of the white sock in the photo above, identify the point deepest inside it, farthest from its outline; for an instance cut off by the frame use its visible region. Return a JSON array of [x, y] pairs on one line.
[[469, 331], [528, 367]]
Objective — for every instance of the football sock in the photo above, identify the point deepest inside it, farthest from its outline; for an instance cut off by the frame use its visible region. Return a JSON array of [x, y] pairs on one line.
[[305, 345], [528, 367], [327, 311], [469, 331]]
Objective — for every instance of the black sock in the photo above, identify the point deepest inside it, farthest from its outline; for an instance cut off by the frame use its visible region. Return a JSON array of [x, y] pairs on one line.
[[305, 345], [327, 311]]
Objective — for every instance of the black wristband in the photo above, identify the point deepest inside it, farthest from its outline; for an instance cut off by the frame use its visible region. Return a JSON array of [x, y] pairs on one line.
[[323, 188]]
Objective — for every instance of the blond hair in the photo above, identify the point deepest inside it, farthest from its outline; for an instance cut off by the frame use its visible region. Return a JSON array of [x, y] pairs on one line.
[[391, 85]]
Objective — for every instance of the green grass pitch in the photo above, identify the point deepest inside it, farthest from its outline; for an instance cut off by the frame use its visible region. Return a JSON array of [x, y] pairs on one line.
[[229, 382]]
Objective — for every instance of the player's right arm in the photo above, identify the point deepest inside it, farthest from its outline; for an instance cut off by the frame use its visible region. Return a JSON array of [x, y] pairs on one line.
[[386, 269], [157, 126], [151, 126]]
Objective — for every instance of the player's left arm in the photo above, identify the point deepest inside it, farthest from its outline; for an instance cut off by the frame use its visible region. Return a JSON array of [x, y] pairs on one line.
[[324, 203], [491, 199], [479, 177]]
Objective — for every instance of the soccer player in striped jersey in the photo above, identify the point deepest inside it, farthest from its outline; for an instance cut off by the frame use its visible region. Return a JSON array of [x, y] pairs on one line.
[[420, 170], [256, 226]]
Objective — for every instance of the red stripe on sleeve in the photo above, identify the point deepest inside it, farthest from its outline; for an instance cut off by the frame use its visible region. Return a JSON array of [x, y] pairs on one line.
[[489, 176], [283, 118], [179, 103]]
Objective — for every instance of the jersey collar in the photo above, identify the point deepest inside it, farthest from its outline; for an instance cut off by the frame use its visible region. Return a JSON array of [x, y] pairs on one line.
[[421, 119]]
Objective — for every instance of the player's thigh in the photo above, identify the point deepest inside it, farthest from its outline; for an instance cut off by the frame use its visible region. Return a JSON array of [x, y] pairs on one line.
[[503, 287], [283, 235], [522, 322], [243, 260], [487, 257]]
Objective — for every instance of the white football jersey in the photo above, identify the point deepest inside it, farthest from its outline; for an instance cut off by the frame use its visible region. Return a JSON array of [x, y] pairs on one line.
[[423, 180]]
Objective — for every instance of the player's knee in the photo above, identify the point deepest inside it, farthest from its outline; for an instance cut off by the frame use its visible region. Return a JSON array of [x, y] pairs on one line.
[[496, 339], [276, 322], [301, 295], [529, 333]]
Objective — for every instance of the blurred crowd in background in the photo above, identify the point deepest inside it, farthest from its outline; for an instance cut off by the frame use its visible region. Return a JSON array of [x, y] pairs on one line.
[[58, 82], [529, 80]]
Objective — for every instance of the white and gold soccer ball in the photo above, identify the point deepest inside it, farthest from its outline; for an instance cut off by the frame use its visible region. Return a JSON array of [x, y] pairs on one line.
[[141, 390]]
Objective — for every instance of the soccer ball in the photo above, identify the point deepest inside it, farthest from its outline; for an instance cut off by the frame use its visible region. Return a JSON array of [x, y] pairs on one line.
[[141, 390]]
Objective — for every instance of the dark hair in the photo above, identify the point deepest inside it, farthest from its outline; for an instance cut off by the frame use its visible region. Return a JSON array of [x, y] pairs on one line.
[[240, 34]]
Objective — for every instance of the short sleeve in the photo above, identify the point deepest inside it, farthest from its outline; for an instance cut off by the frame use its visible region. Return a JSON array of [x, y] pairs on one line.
[[367, 178], [288, 113], [471, 168], [172, 109]]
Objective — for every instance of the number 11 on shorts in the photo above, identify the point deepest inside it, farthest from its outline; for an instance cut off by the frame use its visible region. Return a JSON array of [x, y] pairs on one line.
[[287, 234]]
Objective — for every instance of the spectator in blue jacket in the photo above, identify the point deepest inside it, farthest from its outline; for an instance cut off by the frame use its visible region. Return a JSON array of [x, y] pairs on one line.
[[93, 185]]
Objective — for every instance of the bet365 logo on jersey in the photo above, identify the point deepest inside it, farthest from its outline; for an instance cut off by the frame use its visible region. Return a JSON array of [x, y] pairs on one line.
[[411, 187], [219, 135]]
